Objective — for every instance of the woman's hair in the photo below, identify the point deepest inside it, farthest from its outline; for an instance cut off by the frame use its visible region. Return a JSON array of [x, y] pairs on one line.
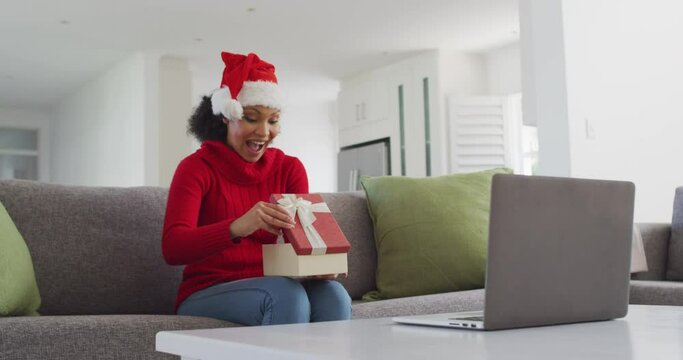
[[204, 125]]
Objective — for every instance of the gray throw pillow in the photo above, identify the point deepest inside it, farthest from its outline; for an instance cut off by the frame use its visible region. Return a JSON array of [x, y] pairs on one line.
[[638, 259], [675, 263]]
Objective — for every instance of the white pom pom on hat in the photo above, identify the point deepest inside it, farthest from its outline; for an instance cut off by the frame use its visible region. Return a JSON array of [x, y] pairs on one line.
[[247, 81], [223, 103]]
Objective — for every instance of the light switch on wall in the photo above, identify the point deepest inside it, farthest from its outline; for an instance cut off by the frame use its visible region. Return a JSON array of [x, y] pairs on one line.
[[590, 129]]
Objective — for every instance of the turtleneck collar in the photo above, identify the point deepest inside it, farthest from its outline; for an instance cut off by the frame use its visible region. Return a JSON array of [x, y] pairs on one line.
[[231, 165]]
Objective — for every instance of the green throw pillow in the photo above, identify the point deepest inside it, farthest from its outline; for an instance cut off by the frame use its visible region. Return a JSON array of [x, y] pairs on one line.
[[18, 289], [431, 233]]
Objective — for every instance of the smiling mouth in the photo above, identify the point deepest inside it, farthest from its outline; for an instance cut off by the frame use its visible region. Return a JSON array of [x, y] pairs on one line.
[[256, 146]]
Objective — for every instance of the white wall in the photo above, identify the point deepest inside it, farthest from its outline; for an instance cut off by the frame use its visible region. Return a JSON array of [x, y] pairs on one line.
[[624, 77], [151, 143], [23, 116], [126, 127], [503, 70], [175, 107], [206, 77], [615, 88], [98, 132], [309, 126], [544, 83], [462, 74]]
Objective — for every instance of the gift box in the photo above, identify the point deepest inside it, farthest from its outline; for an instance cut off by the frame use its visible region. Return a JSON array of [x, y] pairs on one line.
[[281, 260], [316, 231], [315, 246]]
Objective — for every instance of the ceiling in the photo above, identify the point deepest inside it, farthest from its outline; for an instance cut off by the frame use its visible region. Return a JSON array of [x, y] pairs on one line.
[[48, 49]]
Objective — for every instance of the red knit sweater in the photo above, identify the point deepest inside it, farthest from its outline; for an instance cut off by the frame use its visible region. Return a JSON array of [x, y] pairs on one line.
[[210, 189]]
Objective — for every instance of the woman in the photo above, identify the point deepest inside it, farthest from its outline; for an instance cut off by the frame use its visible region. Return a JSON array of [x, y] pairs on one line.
[[218, 214]]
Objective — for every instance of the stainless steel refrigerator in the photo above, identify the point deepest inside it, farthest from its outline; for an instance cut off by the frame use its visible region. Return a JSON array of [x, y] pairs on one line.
[[371, 158]]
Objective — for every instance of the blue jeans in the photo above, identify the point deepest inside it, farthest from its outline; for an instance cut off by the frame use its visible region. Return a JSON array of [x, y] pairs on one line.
[[270, 300]]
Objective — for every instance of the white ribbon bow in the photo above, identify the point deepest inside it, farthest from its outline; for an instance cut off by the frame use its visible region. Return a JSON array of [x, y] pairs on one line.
[[304, 210]]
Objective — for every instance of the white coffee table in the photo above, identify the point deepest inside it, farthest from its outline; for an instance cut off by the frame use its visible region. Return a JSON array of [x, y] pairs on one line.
[[648, 332]]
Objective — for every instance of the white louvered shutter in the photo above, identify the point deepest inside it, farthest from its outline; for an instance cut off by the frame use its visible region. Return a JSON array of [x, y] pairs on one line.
[[484, 133]]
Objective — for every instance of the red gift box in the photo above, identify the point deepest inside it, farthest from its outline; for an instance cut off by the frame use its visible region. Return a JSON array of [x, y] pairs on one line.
[[316, 232]]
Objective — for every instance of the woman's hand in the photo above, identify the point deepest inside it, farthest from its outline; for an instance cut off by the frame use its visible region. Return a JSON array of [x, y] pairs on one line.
[[263, 215]]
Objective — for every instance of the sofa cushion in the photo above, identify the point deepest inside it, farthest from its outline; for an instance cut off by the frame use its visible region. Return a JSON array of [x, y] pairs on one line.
[[656, 292], [418, 305], [95, 250], [675, 264], [430, 233], [92, 337], [655, 238], [18, 289], [350, 209]]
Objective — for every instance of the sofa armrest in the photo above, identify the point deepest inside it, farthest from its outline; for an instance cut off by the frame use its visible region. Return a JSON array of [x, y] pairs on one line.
[[656, 242]]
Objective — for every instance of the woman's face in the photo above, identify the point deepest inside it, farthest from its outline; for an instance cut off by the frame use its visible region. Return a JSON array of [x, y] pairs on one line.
[[251, 135]]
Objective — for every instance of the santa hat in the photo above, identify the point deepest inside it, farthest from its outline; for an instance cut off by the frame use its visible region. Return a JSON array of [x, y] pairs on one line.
[[247, 81]]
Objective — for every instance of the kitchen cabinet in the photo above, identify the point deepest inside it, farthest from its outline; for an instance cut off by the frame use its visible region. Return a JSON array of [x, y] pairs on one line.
[[399, 102], [363, 101]]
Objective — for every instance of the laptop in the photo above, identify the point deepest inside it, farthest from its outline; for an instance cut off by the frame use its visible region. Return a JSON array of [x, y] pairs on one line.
[[559, 252]]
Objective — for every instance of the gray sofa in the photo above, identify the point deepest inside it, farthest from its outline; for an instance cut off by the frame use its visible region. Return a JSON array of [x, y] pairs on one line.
[[662, 284], [106, 290]]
